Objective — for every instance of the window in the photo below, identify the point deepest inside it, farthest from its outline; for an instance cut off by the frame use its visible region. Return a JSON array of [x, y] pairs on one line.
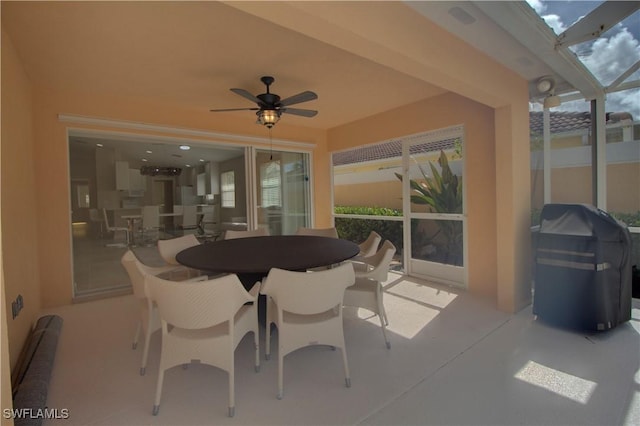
[[228, 186], [270, 184]]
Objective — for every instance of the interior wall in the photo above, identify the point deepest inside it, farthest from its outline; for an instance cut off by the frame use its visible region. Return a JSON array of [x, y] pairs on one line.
[[436, 113], [20, 234], [51, 161]]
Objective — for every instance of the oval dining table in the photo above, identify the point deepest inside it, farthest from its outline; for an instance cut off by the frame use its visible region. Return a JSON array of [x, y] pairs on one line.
[[252, 258]]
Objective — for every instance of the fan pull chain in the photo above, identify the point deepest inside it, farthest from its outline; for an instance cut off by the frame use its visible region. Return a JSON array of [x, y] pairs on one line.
[[271, 144]]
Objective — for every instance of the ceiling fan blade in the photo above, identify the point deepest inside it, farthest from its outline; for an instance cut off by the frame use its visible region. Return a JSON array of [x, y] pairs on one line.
[[246, 95], [300, 112], [234, 109], [300, 97]]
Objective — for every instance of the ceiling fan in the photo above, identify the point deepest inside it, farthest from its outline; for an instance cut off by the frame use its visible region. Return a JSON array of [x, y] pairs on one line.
[[270, 106]]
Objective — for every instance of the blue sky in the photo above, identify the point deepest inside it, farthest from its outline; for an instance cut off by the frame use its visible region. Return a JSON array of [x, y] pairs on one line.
[[607, 57]]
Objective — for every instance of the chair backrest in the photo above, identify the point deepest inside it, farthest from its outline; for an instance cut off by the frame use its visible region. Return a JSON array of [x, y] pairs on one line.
[[308, 293], [169, 248], [189, 216], [198, 304], [231, 234], [106, 219], [94, 215], [369, 246], [319, 232], [151, 216], [208, 214], [136, 271], [380, 262]]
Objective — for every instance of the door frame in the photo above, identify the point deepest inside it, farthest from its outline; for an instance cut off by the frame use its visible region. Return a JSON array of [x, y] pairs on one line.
[[433, 271]]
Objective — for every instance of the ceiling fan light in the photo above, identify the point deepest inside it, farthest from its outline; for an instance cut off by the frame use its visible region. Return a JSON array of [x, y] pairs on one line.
[[268, 117]]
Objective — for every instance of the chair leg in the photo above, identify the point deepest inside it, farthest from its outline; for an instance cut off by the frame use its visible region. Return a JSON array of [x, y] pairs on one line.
[[384, 332], [145, 350], [136, 336], [267, 341], [257, 348], [232, 402], [383, 319], [280, 374], [347, 376], [156, 405]]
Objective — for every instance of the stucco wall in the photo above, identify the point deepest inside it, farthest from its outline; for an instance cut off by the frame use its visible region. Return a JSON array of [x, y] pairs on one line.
[[20, 234], [573, 185], [436, 113]]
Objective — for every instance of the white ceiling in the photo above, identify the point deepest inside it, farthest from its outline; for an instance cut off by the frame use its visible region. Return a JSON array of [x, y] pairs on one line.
[[191, 53]]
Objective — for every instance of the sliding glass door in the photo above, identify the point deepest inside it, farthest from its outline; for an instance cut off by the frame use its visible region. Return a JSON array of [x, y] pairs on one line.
[[411, 191], [282, 191]]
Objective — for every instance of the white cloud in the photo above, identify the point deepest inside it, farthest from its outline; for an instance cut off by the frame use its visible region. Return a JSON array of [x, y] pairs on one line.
[[538, 6], [555, 22], [611, 57]]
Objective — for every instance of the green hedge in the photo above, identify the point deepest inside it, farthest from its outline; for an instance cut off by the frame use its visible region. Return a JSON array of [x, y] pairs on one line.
[[357, 230]]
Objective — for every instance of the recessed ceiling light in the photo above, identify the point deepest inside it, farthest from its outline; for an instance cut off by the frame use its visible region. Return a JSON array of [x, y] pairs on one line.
[[149, 152], [188, 165], [185, 147], [144, 159], [201, 160], [99, 145]]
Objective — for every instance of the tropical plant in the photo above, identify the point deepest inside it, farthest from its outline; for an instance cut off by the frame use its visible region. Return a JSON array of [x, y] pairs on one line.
[[442, 193]]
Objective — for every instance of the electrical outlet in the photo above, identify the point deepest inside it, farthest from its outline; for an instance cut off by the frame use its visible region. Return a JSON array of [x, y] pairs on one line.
[[16, 306]]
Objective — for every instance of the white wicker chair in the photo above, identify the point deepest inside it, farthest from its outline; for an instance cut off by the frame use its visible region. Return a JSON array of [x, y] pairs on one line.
[[205, 321], [318, 232], [367, 292], [369, 246], [148, 321], [231, 234], [168, 250], [307, 309]]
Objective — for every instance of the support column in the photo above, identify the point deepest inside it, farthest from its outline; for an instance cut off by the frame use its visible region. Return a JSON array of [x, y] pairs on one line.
[[513, 209]]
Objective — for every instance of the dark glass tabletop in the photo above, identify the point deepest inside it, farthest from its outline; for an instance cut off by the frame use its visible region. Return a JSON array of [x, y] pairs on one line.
[[257, 255]]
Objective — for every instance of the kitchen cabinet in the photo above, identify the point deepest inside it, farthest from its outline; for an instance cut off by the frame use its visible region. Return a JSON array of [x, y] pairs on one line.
[[201, 184], [122, 175], [129, 179], [137, 182]]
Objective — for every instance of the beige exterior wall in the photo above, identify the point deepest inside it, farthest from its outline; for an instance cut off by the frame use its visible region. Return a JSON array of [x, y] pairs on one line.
[[380, 194], [623, 187], [20, 209], [623, 181], [440, 112]]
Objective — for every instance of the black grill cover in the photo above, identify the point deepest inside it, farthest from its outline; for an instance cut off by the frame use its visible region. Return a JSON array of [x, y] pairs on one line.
[[583, 268]]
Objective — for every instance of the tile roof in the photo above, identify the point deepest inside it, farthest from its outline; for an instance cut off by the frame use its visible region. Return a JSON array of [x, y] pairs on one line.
[[388, 150], [560, 122]]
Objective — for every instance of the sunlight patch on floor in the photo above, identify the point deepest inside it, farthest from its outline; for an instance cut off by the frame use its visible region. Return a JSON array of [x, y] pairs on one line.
[[558, 382], [422, 293], [410, 306], [633, 412]]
